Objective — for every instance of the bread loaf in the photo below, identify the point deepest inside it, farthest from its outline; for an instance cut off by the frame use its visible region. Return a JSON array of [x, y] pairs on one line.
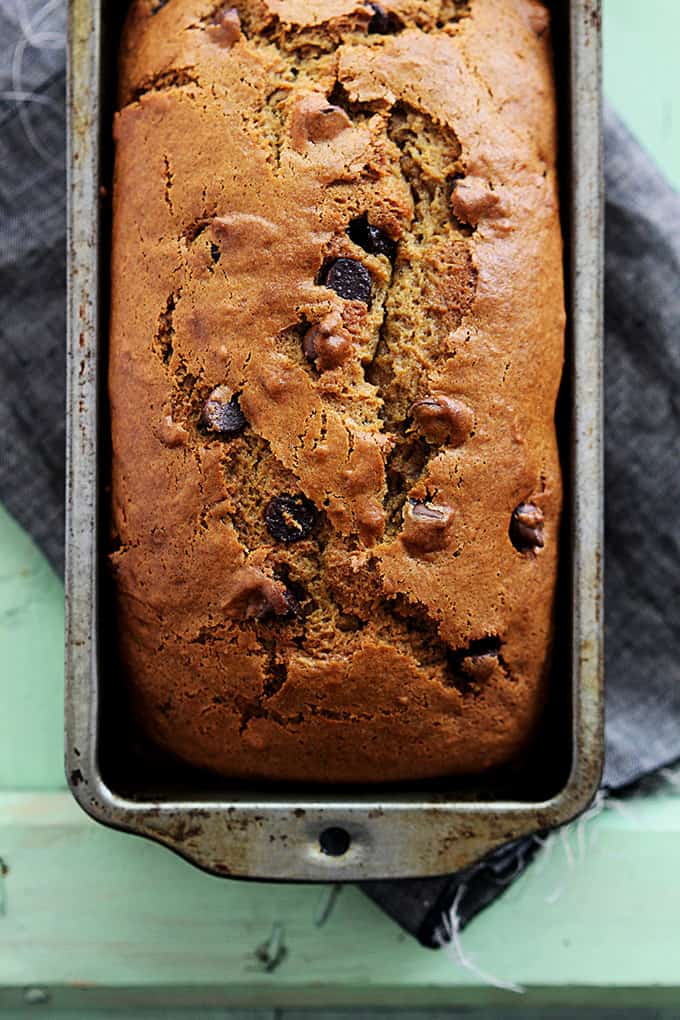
[[337, 328]]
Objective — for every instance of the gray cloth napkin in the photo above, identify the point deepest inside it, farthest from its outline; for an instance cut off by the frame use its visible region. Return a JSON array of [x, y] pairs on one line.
[[643, 418]]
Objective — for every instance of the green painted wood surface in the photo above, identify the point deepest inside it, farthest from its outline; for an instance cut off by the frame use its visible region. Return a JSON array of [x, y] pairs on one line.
[[86, 908], [462, 1013], [98, 918], [642, 73], [31, 664]]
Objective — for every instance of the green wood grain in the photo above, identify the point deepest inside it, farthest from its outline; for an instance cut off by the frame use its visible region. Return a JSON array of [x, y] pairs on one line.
[[642, 73], [31, 664], [483, 1013], [594, 921]]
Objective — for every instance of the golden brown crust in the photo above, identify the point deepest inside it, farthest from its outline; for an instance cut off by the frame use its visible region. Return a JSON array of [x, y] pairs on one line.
[[318, 575]]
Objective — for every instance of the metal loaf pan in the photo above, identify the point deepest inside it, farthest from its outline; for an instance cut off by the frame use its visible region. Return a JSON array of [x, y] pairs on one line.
[[275, 833]]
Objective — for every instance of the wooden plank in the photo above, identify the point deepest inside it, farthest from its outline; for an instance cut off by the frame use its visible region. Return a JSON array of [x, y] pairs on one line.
[[103, 918], [641, 73], [31, 664], [535, 1013]]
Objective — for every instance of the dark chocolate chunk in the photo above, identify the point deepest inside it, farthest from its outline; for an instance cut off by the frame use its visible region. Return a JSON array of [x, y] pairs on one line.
[[292, 603], [382, 22], [279, 602], [426, 526], [526, 527], [475, 663], [214, 252], [349, 279], [297, 597], [480, 667], [257, 596], [379, 243], [225, 26], [310, 342], [290, 518], [222, 414], [427, 512], [372, 239], [443, 419], [325, 124]]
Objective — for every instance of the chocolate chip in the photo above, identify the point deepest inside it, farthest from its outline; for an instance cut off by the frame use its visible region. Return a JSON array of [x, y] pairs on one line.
[[258, 596], [172, 433], [423, 512], [443, 419], [310, 343], [292, 604], [315, 120], [222, 414], [382, 22], [278, 601], [297, 597], [475, 663], [225, 27], [264, 603], [378, 243], [480, 667], [526, 527], [214, 252], [327, 123], [426, 526], [372, 239], [290, 518], [349, 279], [326, 345]]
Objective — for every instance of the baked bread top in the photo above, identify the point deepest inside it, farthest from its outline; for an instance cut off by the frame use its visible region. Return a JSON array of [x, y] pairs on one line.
[[336, 343]]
